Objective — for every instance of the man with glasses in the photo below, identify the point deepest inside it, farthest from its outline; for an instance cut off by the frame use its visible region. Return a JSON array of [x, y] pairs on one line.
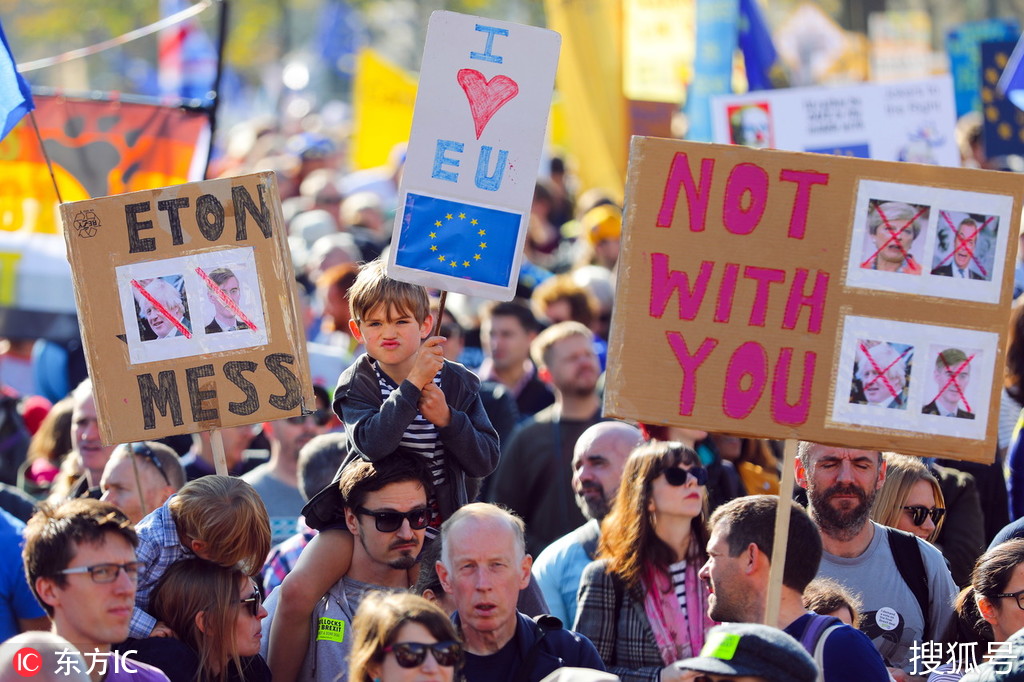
[[907, 597], [80, 562], [277, 481], [139, 477], [386, 511]]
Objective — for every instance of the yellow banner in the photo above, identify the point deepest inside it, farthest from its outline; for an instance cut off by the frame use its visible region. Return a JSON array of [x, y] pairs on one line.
[[589, 81], [383, 99]]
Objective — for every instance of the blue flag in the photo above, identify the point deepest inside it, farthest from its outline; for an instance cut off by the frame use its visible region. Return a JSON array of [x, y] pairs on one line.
[[755, 40], [717, 22], [458, 239], [15, 94], [1011, 83], [340, 36]]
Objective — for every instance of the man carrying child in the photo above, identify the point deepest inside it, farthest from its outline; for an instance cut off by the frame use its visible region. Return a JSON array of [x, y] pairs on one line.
[[399, 400]]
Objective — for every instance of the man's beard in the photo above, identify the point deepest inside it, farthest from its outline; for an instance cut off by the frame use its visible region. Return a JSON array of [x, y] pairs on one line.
[[841, 524], [404, 562], [723, 612], [593, 508]]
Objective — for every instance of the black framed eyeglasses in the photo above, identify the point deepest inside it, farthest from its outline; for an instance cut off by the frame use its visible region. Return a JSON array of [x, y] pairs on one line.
[[320, 418], [106, 573], [143, 450], [253, 602], [412, 654], [677, 476], [1016, 596], [709, 678], [918, 513], [390, 521]]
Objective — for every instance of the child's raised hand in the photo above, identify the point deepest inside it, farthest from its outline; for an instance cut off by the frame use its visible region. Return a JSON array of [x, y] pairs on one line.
[[429, 359], [434, 407]]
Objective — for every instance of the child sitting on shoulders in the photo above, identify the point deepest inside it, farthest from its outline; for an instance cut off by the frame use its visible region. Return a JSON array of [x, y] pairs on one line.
[[217, 518], [399, 399]]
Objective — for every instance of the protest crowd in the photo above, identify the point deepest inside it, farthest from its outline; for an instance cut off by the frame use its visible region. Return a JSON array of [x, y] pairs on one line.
[[458, 506]]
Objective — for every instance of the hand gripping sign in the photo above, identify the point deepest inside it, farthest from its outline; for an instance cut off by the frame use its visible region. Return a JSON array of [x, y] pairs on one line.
[[477, 134]]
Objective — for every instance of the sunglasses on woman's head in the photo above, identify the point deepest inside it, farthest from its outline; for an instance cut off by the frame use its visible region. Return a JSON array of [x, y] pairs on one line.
[[412, 654], [918, 513], [677, 476], [253, 602]]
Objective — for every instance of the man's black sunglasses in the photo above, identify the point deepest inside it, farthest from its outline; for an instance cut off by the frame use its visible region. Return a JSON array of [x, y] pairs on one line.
[[390, 521], [677, 476], [143, 450]]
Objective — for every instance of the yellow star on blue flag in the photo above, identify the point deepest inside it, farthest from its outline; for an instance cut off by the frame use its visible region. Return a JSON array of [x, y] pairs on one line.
[[444, 237]]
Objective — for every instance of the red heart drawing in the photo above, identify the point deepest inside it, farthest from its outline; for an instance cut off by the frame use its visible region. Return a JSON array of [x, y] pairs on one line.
[[485, 96]]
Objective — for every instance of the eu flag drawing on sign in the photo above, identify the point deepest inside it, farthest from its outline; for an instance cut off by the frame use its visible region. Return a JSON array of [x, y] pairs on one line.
[[458, 239]]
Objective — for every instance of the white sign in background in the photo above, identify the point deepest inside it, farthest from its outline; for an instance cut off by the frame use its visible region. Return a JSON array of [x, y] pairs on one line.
[[477, 134], [907, 121]]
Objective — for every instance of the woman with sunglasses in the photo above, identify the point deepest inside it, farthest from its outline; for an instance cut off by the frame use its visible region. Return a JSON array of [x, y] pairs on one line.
[[910, 499], [641, 603], [400, 637], [990, 609], [216, 613]]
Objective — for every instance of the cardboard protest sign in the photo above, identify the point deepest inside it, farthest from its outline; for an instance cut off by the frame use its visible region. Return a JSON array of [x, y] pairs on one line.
[[909, 121], [784, 295], [477, 134], [187, 304]]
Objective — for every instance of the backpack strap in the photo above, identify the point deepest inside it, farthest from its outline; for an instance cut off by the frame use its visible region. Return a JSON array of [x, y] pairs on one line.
[[910, 565], [813, 631], [546, 624], [819, 650], [814, 636]]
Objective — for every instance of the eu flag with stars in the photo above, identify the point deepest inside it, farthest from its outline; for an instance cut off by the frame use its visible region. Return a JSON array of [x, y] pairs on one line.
[[458, 239]]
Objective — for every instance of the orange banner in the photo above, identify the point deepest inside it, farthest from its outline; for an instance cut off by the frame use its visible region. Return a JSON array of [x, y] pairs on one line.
[[97, 148]]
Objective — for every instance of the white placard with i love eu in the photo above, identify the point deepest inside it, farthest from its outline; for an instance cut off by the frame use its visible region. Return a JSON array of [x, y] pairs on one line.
[[474, 152]]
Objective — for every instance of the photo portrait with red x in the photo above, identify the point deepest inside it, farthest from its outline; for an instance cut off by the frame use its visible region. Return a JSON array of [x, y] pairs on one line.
[[893, 228], [952, 375], [963, 248], [881, 375]]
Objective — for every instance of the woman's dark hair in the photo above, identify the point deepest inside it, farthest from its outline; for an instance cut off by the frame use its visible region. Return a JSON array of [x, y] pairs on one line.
[[991, 574], [191, 586], [628, 539], [379, 618]]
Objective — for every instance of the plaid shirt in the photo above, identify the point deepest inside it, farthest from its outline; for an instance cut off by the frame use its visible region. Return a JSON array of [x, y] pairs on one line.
[[159, 547], [282, 559], [623, 638]]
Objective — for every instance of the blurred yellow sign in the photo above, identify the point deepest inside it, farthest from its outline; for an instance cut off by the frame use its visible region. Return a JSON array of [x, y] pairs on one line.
[[382, 102]]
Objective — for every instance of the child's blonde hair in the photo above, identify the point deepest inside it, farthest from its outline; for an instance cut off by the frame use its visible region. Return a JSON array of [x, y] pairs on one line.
[[228, 516], [374, 288]]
